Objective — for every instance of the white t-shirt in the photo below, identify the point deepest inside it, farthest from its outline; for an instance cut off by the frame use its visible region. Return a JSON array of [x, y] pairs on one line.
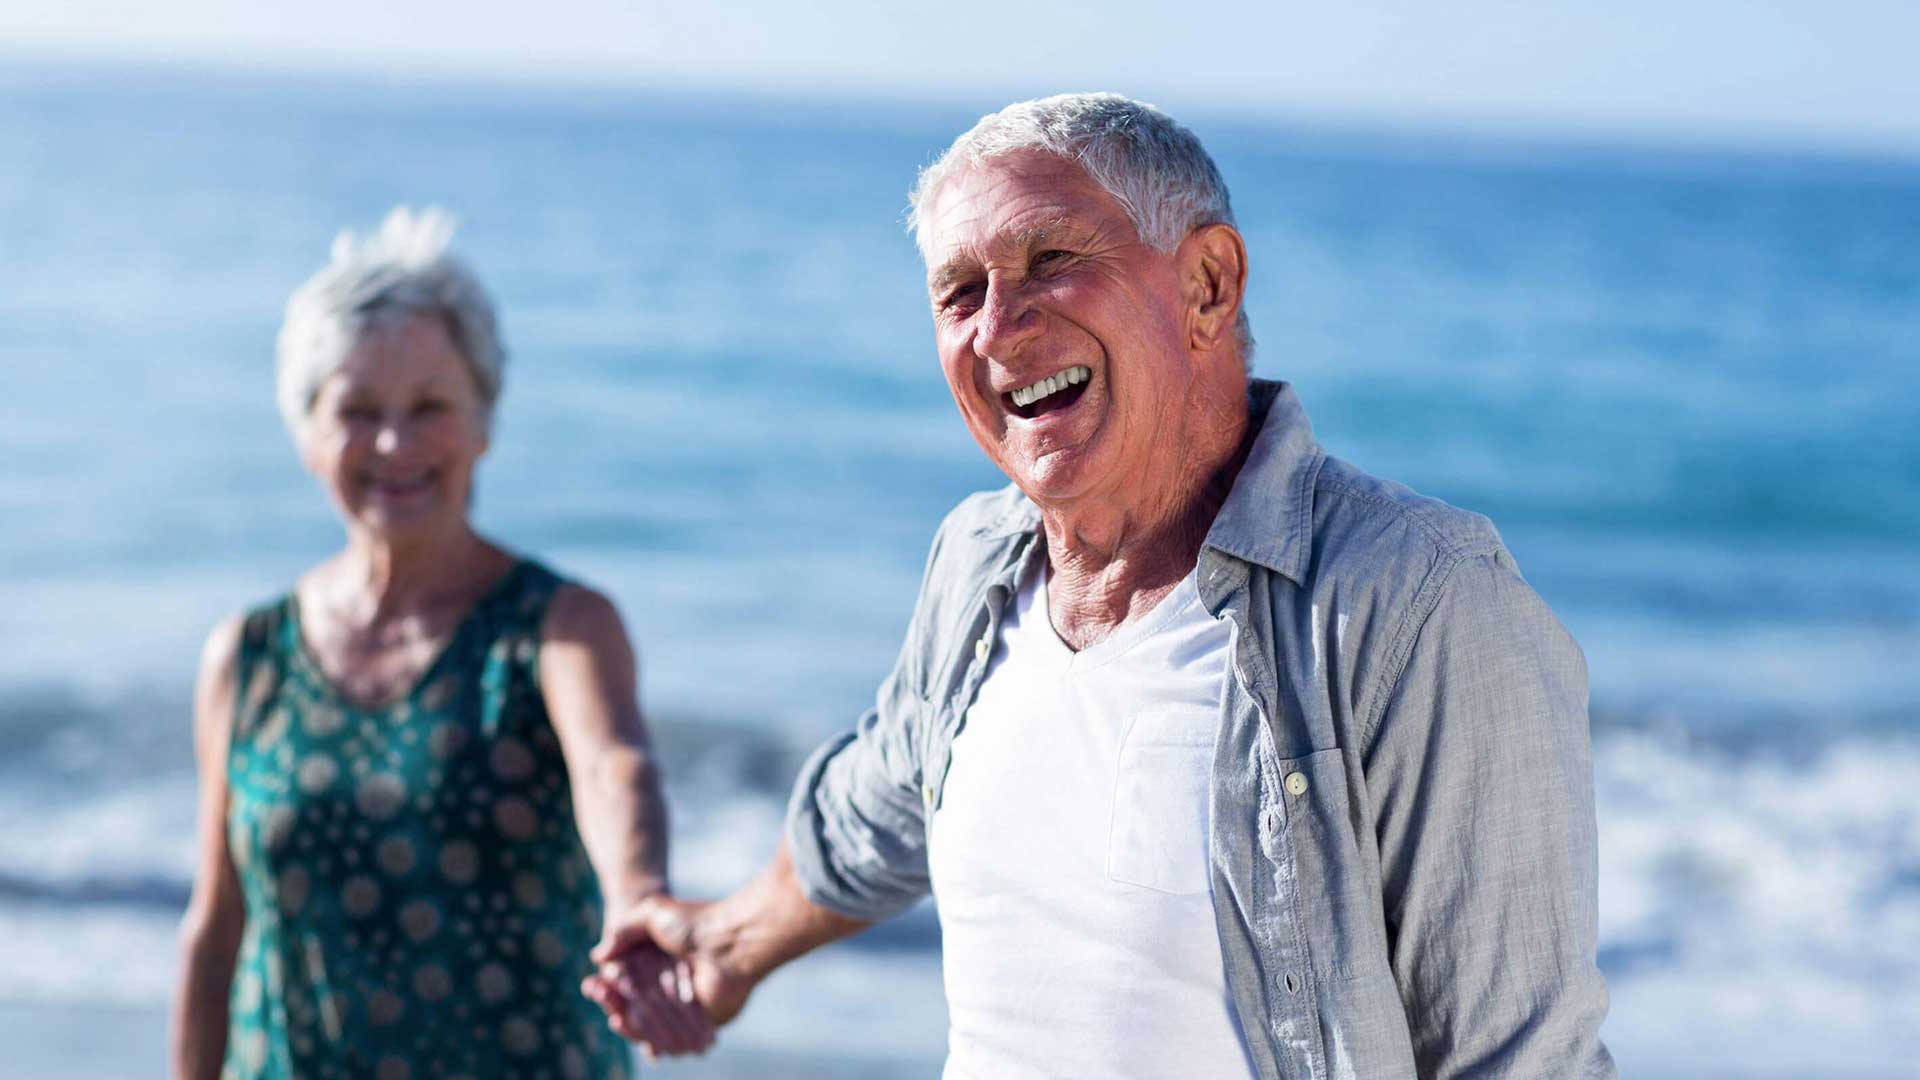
[[1069, 855]]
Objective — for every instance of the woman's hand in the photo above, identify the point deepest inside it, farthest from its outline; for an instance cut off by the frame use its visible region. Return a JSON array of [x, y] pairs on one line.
[[677, 948], [649, 999], [724, 947]]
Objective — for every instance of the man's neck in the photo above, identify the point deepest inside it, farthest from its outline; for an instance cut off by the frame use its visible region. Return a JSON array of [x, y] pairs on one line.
[[1110, 564]]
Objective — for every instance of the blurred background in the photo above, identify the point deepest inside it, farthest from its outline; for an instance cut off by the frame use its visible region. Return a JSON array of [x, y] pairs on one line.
[[1640, 280]]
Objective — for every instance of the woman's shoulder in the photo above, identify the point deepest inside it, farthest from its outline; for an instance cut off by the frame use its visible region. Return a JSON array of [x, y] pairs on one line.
[[220, 654], [235, 641], [559, 609], [246, 630], [580, 612]]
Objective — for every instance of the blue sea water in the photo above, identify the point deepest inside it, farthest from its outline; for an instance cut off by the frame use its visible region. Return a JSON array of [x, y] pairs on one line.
[[1684, 383]]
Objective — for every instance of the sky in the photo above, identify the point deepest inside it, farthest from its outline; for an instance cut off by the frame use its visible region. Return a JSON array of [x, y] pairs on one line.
[[1835, 72]]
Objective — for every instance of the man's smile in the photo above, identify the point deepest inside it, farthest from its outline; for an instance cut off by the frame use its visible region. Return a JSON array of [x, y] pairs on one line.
[[1056, 391]]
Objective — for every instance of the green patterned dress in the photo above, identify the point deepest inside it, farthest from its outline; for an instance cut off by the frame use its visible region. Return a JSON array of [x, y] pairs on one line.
[[418, 901]]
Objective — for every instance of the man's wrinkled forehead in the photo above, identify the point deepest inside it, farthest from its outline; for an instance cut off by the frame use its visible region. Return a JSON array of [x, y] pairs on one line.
[[1009, 204], [966, 260]]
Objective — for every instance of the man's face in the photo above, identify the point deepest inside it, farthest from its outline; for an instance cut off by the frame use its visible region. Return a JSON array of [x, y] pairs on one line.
[[1063, 337]]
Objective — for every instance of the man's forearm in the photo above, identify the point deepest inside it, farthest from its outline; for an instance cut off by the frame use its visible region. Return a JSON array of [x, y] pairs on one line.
[[769, 922]]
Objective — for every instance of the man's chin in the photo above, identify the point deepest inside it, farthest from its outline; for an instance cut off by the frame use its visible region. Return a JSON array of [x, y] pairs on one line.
[[1055, 479]]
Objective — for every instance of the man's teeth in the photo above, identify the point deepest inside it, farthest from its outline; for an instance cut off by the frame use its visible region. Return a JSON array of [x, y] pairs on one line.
[[1052, 384]]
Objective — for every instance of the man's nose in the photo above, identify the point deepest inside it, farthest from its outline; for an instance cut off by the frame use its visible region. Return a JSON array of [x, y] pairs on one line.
[[1008, 320]]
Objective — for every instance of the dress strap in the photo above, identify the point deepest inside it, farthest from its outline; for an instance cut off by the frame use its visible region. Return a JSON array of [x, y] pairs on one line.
[[512, 633], [523, 605], [260, 665]]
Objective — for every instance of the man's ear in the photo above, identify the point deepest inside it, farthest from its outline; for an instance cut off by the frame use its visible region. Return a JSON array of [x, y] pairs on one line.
[[1213, 266]]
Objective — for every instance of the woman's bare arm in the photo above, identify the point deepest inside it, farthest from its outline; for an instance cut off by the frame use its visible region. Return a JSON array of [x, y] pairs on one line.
[[587, 675], [216, 914]]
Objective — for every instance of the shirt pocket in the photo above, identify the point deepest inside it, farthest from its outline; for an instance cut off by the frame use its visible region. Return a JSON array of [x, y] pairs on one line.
[[1157, 838]]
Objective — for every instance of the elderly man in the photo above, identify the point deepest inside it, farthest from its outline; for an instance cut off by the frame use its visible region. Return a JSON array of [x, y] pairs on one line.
[[1221, 757]]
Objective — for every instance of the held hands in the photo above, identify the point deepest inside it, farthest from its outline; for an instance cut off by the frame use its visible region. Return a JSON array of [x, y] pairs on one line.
[[690, 966], [648, 999], [662, 980]]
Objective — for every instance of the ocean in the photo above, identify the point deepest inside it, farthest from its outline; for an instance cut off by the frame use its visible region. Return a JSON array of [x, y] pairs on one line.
[[1685, 383]]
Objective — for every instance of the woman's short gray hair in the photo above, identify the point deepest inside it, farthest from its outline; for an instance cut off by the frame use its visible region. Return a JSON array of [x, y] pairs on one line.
[[402, 270], [1145, 159]]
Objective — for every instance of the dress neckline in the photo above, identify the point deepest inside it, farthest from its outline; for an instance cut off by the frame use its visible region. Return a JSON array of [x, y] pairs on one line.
[[304, 656]]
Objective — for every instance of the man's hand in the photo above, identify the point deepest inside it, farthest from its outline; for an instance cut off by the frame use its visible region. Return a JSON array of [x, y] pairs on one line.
[[648, 999], [663, 982], [714, 954]]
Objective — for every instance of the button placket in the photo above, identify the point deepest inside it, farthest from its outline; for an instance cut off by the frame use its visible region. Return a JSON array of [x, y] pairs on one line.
[[1270, 825]]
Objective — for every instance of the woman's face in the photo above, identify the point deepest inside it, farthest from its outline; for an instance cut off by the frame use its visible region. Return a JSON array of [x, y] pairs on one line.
[[395, 431]]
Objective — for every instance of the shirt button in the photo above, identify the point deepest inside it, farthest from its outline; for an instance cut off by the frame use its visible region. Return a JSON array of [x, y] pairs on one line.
[[1296, 783], [926, 794], [980, 650]]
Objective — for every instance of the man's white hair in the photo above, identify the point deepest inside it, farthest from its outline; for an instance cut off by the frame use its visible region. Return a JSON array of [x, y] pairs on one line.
[[1145, 159], [403, 270]]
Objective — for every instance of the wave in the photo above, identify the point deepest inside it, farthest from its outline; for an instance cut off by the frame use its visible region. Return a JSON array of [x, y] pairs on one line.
[[1759, 883], [1761, 913]]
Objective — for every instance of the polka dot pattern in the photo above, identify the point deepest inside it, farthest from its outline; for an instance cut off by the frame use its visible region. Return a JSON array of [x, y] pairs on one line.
[[419, 904]]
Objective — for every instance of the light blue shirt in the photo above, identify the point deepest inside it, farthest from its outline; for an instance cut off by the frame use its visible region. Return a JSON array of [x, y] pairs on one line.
[[1403, 847]]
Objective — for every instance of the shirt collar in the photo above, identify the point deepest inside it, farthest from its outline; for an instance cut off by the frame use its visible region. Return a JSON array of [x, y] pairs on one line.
[[1268, 515]]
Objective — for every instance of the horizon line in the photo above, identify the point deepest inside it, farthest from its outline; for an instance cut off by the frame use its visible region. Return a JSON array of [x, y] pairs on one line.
[[1469, 128]]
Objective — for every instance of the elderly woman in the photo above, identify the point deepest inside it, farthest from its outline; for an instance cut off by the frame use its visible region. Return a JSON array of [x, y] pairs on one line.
[[423, 768]]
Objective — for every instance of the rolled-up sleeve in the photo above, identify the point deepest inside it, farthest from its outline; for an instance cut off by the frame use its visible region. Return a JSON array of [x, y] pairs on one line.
[[1479, 769], [856, 824], [856, 828]]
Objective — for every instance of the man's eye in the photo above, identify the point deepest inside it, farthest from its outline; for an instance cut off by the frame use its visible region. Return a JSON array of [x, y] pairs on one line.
[[431, 405], [358, 412], [1049, 257], [963, 296]]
